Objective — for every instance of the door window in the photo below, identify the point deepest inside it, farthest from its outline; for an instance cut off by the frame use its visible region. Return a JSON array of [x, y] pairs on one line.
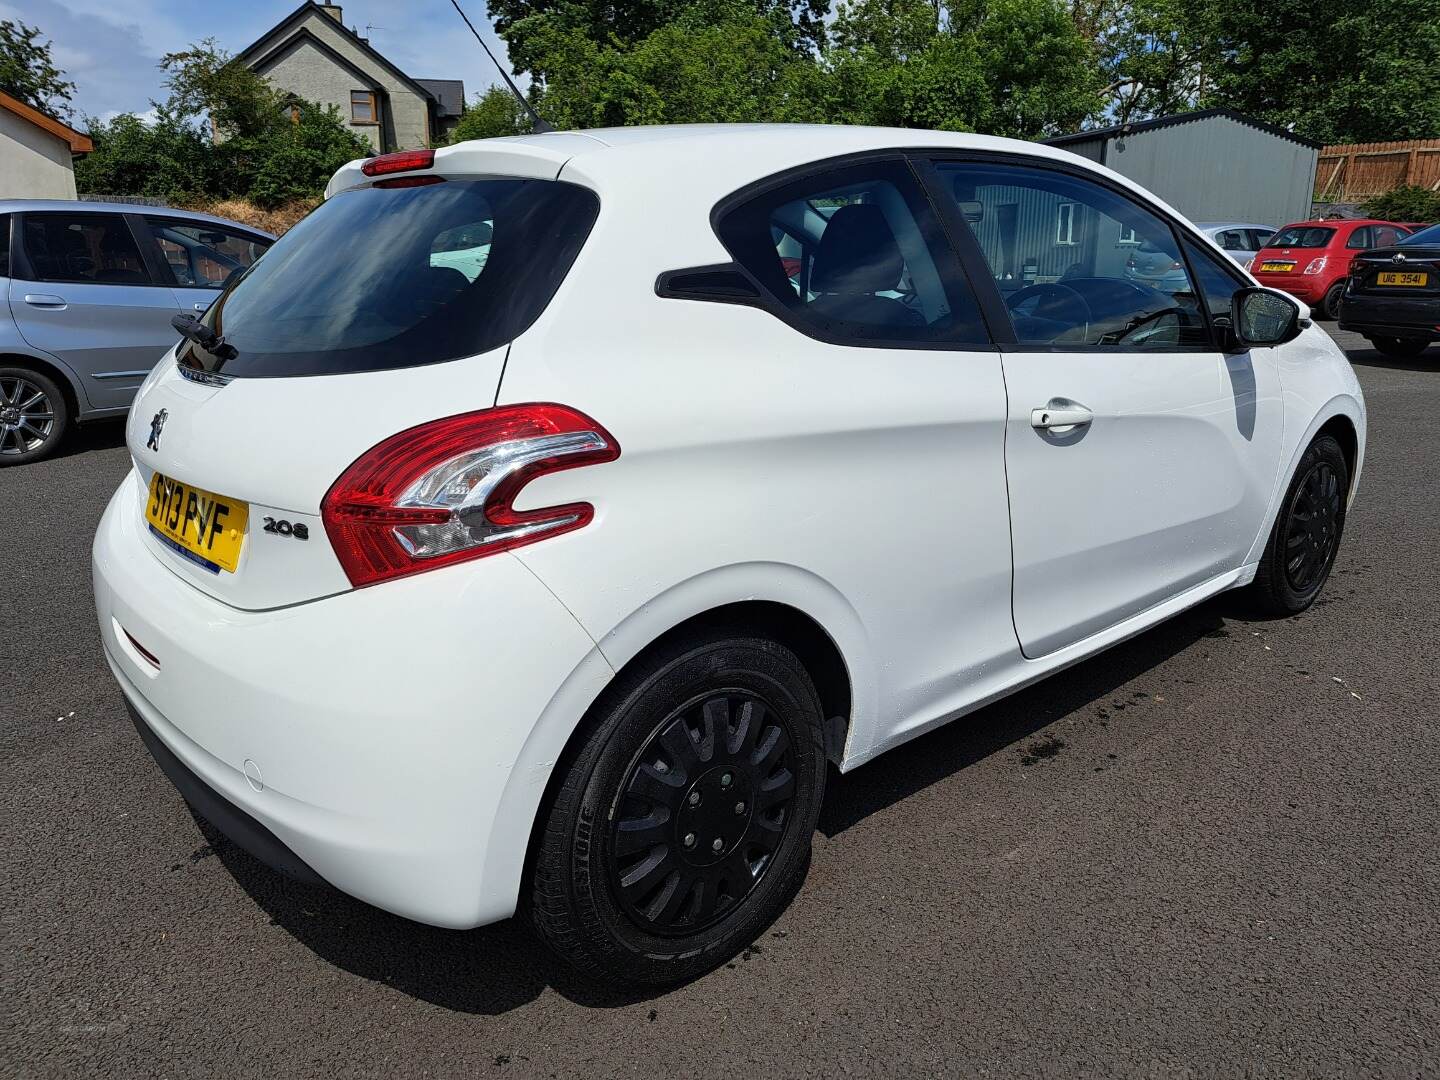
[[1386, 235], [1259, 238], [94, 248], [1233, 240], [1359, 239], [1092, 292], [203, 256], [853, 256], [4, 245]]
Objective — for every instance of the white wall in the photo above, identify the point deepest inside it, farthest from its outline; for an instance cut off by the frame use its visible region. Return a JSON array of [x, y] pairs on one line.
[[33, 163]]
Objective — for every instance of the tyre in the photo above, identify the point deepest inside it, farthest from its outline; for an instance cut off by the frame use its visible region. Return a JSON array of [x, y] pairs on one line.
[[1306, 535], [1330, 305], [1399, 347], [682, 826], [33, 415]]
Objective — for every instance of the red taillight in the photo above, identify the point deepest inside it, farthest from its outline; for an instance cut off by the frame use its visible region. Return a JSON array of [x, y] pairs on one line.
[[444, 492], [404, 161], [1317, 266]]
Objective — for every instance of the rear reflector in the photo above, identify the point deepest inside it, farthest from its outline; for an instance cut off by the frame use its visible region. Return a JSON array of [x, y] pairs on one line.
[[404, 161]]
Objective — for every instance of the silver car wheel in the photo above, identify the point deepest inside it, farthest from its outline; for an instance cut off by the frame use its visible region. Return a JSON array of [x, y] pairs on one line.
[[27, 417]]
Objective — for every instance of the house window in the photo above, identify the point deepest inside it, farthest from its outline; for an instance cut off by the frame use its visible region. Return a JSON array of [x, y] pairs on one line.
[[1127, 235], [294, 114], [362, 107], [1065, 223]]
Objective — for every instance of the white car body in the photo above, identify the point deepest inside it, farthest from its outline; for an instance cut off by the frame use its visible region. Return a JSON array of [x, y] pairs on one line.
[[399, 738]]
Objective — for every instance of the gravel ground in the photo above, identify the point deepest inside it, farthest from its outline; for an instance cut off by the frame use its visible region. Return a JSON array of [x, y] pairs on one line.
[[1210, 851]]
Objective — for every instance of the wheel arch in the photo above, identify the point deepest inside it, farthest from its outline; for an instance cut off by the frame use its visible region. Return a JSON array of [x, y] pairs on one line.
[[1342, 417], [62, 376], [828, 643]]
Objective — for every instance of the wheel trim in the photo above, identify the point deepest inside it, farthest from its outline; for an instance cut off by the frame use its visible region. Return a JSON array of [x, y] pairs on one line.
[[27, 416], [1312, 528], [701, 813]]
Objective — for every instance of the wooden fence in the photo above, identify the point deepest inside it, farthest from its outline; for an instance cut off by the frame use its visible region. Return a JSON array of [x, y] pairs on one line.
[[1359, 170]]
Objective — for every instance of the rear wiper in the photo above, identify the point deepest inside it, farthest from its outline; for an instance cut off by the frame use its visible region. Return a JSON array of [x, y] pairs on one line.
[[192, 329]]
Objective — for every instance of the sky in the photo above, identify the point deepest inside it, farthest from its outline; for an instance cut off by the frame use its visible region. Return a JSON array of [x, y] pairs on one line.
[[110, 48]]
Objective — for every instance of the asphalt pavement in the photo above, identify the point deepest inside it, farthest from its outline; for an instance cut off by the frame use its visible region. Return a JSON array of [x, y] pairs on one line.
[[1210, 851]]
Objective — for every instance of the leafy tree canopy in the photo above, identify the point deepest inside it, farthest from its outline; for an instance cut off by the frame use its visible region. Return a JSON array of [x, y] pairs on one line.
[[28, 72]]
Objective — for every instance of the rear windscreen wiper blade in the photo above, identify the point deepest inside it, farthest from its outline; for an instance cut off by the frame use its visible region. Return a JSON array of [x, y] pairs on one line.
[[192, 329]]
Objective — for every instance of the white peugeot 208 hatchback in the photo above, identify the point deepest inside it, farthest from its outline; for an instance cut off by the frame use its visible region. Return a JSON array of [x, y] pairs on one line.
[[536, 522]]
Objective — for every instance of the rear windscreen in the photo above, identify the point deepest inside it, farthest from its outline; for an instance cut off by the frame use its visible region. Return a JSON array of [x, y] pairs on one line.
[[383, 278], [1302, 236]]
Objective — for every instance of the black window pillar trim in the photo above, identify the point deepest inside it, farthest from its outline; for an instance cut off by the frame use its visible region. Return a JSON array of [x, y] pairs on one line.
[[967, 249]]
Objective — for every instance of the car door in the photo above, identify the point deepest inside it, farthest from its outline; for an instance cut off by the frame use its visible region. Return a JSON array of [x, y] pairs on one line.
[[83, 292], [1139, 458], [201, 256]]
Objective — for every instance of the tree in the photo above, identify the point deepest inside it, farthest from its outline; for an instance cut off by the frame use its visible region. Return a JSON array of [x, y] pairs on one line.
[[530, 27], [28, 72], [491, 115], [205, 79], [1409, 203], [1332, 70], [169, 159], [1002, 67]]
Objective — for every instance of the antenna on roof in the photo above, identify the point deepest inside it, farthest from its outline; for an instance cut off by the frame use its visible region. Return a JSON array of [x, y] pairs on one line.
[[537, 125]]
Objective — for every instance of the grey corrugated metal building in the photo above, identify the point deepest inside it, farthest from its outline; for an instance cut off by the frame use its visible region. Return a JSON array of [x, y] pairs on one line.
[[1211, 165]]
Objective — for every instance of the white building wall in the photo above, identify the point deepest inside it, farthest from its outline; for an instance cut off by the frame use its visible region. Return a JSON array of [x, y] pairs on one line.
[[33, 163]]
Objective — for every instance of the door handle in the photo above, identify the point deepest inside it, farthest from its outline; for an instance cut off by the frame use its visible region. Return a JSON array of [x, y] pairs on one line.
[[1061, 416], [45, 300]]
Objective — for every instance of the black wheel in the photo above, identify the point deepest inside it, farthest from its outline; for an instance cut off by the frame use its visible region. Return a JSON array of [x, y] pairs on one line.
[[682, 827], [1330, 306], [1399, 347], [1307, 533], [33, 415]]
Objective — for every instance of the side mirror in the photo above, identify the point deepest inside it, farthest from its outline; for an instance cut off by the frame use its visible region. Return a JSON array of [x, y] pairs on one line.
[[1263, 317]]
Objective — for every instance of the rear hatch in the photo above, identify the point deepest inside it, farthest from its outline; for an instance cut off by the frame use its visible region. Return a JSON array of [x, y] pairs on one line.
[[1292, 249], [1405, 271], [386, 308]]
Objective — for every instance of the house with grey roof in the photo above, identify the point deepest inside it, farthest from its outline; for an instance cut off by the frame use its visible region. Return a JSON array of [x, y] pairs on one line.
[[312, 53]]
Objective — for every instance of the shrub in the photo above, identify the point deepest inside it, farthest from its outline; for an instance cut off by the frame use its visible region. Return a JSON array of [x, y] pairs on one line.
[[1409, 203]]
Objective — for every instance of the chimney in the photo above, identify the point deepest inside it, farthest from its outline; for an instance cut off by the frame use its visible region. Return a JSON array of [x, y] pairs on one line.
[[333, 10]]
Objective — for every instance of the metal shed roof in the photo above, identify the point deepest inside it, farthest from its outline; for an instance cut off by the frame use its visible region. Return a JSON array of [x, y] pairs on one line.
[[1176, 119]]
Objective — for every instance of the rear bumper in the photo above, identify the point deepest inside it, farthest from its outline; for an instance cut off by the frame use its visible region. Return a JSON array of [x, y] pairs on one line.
[[375, 739], [1311, 290], [1386, 316]]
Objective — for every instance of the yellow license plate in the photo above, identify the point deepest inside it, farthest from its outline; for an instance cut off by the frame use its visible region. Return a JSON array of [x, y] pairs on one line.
[[205, 528], [1279, 267], [1401, 277]]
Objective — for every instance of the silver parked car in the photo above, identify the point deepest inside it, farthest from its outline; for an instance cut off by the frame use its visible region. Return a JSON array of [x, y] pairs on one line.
[[90, 289], [1153, 266], [1240, 240]]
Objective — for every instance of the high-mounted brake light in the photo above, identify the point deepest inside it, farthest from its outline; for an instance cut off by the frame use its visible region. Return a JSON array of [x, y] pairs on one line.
[[403, 161], [444, 492]]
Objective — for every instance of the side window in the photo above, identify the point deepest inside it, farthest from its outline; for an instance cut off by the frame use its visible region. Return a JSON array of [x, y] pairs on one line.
[[1233, 240], [82, 247], [1095, 292], [4, 245], [1360, 238], [203, 256], [1259, 238], [1386, 235], [854, 255], [1217, 283]]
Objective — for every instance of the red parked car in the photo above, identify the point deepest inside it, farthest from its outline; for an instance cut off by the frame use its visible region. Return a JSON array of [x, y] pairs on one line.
[[1311, 259]]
